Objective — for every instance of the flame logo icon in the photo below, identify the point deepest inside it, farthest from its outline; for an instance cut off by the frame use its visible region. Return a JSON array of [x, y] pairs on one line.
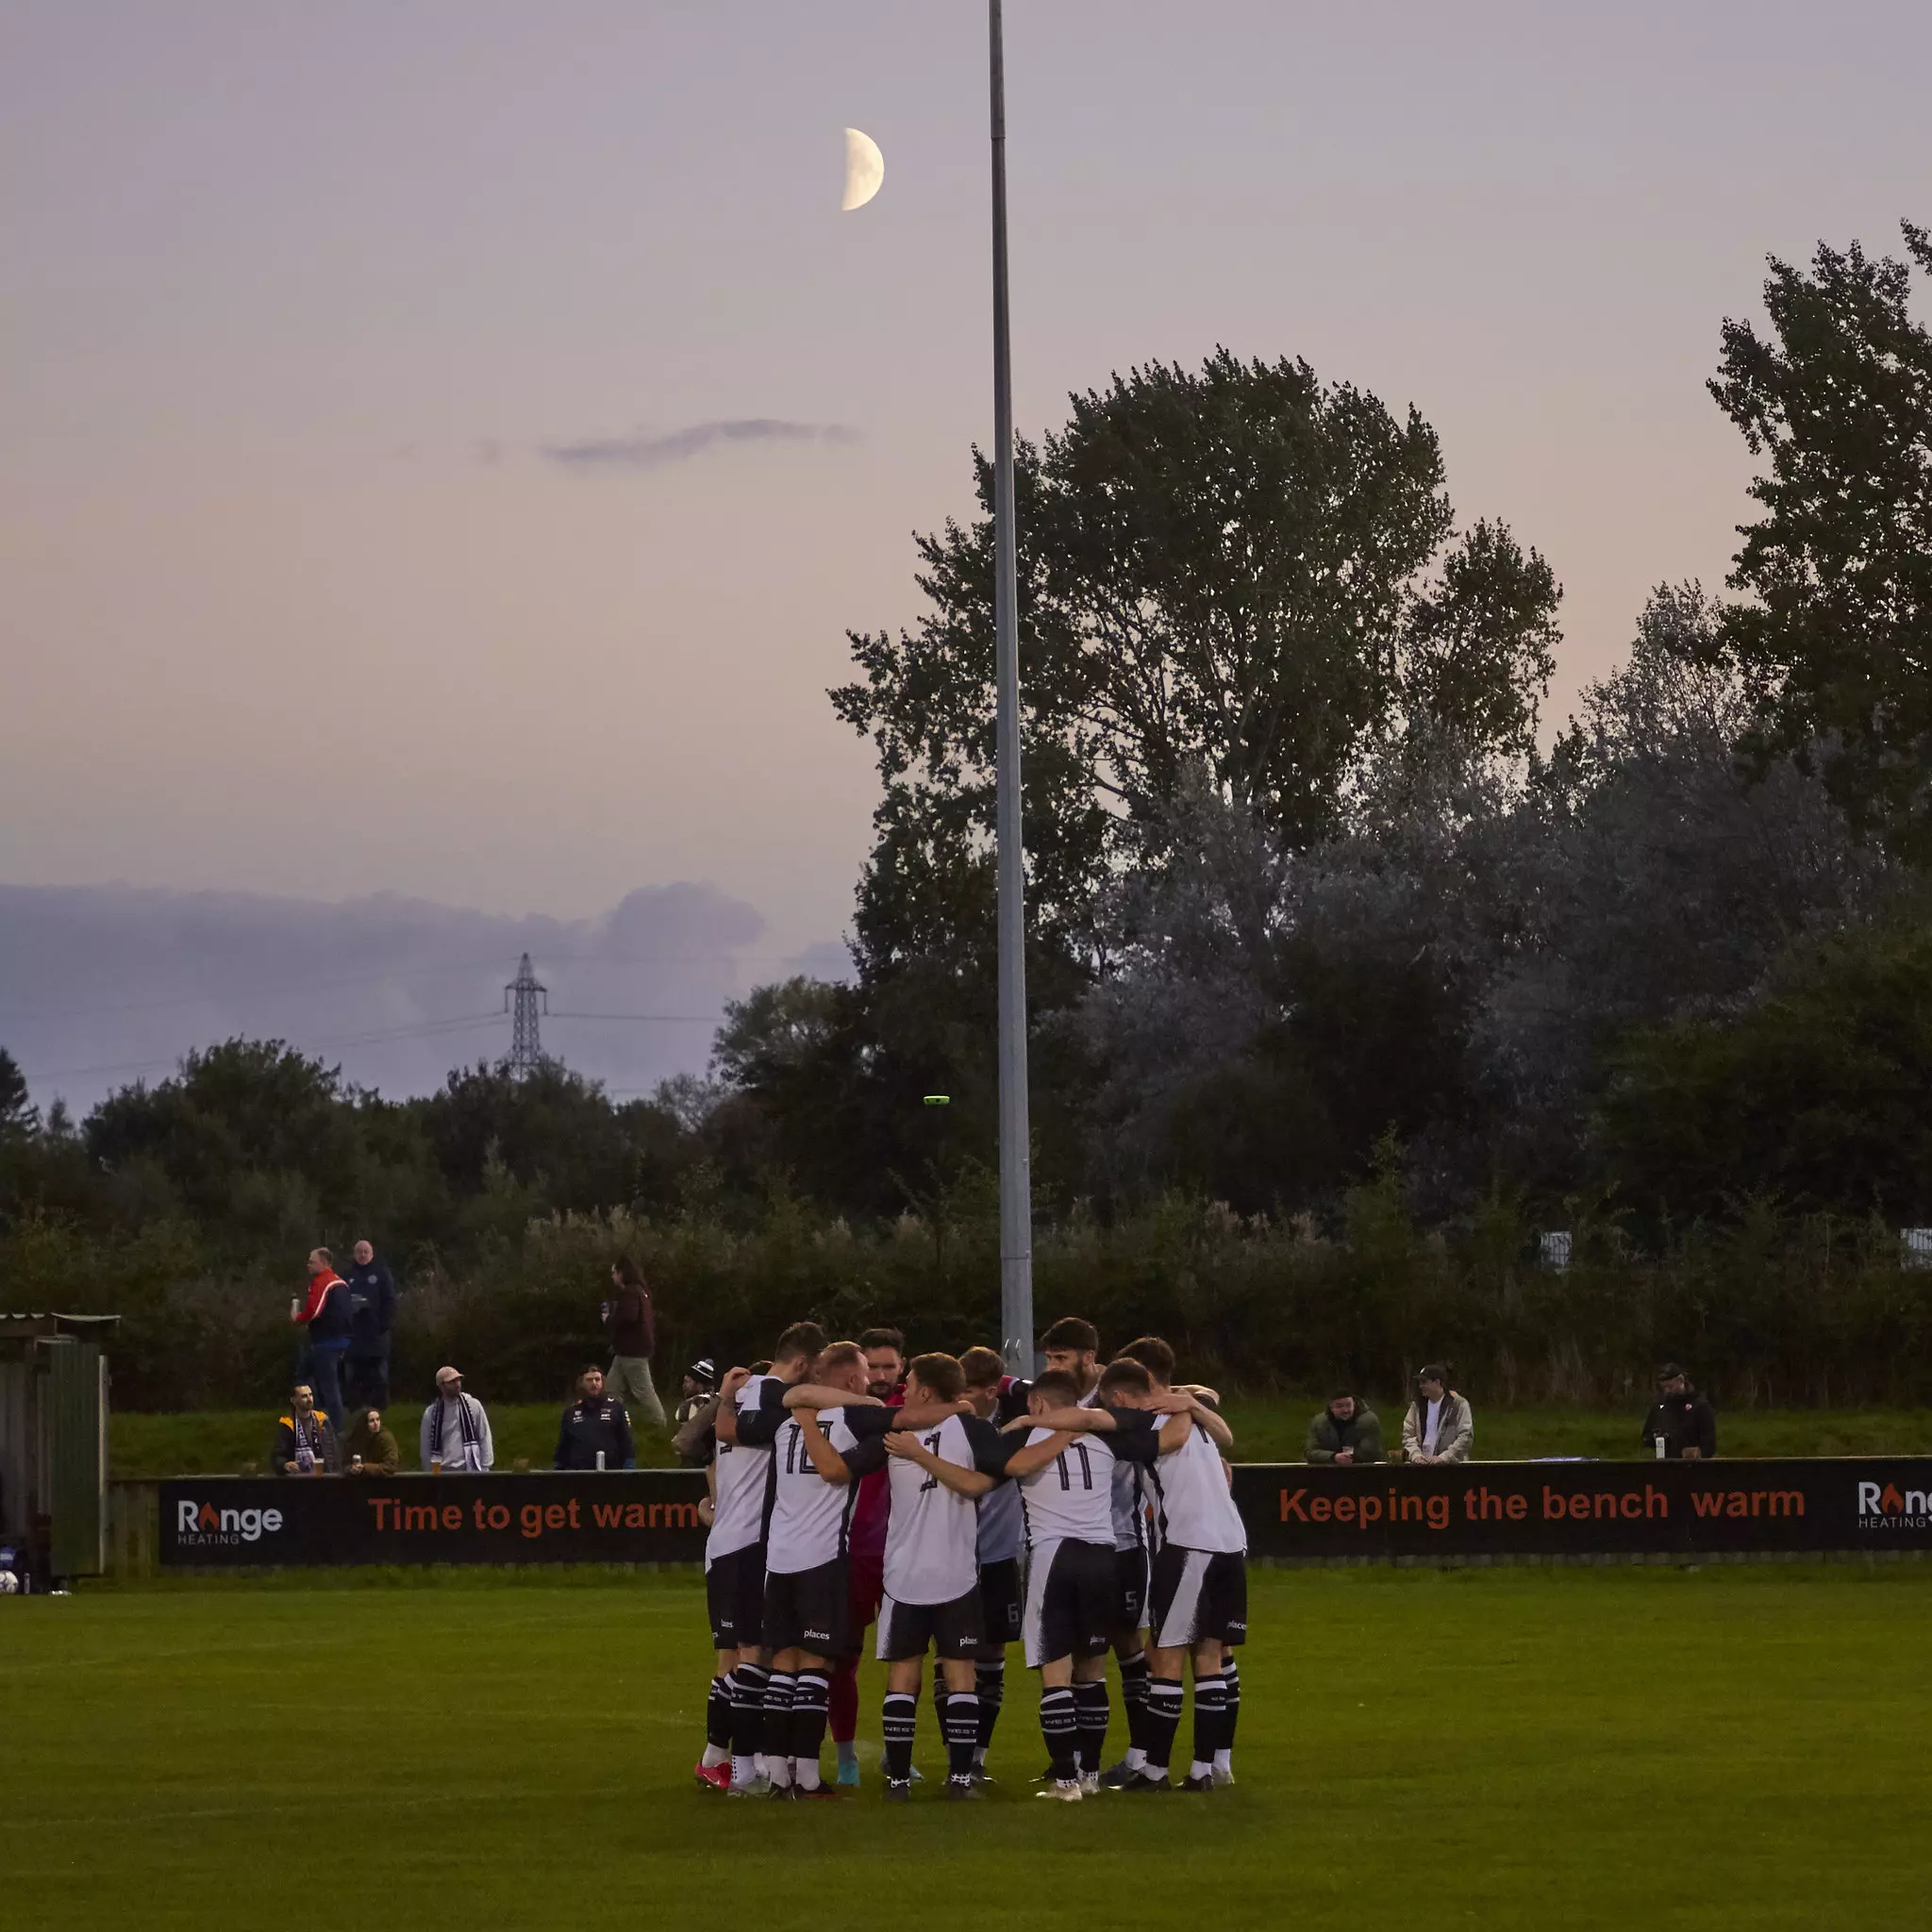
[[1891, 1503]]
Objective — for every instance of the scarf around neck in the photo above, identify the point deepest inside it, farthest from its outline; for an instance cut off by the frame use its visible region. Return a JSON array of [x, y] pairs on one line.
[[466, 1424]]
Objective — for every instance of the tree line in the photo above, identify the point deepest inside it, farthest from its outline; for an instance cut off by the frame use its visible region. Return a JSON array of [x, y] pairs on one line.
[[1317, 906]]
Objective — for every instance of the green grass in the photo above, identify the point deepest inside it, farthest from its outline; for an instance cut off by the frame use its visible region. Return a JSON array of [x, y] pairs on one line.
[[1266, 1430], [219, 1442], [1727, 1747]]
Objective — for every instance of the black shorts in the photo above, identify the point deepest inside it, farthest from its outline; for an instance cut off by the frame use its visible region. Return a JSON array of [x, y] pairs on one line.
[[999, 1607], [1071, 1591], [810, 1609], [734, 1592], [1198, 1594], [912, 1629], [1130, 1593]]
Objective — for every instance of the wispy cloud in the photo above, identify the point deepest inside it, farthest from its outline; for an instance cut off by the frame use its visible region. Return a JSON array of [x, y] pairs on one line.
[[642, 452]]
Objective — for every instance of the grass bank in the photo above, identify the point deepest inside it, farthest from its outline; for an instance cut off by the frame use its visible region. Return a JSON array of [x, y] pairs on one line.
[[1266, 1429]]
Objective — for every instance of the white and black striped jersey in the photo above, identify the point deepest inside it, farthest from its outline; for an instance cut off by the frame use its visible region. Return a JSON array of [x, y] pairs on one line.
[[1002, 1524], [745, 1467], [810, 1517], [932, 1534], [1193, 1502], [1071, 1498]]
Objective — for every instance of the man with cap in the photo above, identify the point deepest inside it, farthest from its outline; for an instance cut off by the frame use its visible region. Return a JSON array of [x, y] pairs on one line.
[[1438, 1426], [696, 1416], [455, 1431], [1681, 1417]]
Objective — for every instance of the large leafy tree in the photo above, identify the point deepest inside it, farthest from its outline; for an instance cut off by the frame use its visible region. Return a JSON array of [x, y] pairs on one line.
[[1235, 575], [1836, 637], [1815, 1096]]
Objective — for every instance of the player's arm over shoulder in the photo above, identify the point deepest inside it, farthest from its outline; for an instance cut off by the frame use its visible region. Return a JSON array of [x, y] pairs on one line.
[[761, 1413]]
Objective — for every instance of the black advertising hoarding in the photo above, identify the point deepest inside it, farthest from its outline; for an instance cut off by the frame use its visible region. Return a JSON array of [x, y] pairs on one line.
[[1585, 1508], [1290, 1509], [626, 1516]]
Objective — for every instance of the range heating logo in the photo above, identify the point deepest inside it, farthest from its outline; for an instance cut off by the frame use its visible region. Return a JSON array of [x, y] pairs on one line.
[[1887, 1506], [202, 1526]]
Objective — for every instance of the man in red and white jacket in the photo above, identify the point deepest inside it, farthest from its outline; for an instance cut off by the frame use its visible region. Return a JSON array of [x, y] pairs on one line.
[[325, 1316]]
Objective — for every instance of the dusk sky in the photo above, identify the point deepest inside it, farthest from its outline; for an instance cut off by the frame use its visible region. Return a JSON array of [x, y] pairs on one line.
[[309, 312]]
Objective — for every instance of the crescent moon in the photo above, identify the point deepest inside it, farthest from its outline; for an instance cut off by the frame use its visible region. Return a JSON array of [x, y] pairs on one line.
[[865, 169]]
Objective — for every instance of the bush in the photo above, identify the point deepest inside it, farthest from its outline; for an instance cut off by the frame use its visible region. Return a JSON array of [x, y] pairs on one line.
[[1768, 1310]]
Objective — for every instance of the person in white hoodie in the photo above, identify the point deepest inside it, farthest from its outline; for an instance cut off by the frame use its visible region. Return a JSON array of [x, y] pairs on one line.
[[1438, 1426], [456, 1430]]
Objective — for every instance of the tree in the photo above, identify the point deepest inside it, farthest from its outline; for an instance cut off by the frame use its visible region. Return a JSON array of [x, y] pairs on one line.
[[1836, 642], [1647, 879], [19, 1116], [1238, 571], [1819, 1094]]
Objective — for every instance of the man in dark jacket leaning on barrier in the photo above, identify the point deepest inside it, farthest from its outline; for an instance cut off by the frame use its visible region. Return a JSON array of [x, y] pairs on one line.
[[595, 1424], [1347, 1432], [1682, 1419]]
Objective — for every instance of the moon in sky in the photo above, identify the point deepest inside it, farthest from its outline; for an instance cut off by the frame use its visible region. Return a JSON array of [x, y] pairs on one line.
[[865, 168]]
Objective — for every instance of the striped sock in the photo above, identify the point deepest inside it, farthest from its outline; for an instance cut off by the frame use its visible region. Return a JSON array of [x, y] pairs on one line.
[[1060, 1727], [1091, 1714], [901, 1720], [812, 1706], [779, 1691], [1164, 1704], [962, 1731], [1210, 1716], [991, 1686], [1231, 1702], [747, 1720], [717, 1721], [1134, 1675]]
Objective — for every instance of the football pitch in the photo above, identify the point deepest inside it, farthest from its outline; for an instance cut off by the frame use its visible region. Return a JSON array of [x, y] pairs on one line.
[[1604, 1747]]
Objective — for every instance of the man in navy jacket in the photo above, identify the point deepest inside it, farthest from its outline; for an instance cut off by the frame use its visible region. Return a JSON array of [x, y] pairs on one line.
[[372, 1316], [595, 1423]]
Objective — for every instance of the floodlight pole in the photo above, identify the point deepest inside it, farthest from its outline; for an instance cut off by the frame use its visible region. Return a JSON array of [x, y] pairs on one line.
[[1016, 1164]]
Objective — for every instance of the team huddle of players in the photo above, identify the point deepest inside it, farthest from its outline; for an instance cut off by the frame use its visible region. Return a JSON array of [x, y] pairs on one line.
[[1083, 1513]]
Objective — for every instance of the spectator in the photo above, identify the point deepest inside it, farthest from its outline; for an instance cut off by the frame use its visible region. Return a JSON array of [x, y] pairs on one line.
[[305, 1438], [1682, 1417], [323, 1313], [633, 1342], [696, 1415], [371, 1449], [372, 1317], [455, 1431], [1347, 1432], [1438, 1426], [595, 1424]]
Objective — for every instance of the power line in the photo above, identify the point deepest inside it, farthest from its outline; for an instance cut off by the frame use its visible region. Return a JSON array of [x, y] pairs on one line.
[[270, 988], [422, 1029], [664, 1018]]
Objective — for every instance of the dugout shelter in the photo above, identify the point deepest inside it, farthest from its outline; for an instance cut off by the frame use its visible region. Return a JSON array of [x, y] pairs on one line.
[[54, 1443]]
